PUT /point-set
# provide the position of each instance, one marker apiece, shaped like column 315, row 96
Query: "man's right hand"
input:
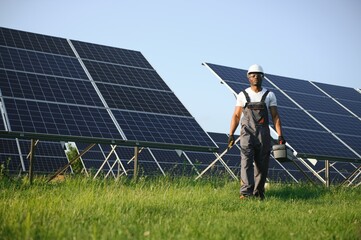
column 230, row 141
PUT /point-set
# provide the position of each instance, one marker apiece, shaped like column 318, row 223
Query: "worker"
column 251, row 112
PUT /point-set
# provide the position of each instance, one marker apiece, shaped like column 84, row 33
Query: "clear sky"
column 317, row 40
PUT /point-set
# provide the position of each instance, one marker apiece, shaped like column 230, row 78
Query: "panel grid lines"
column 33, row 41
column 42, row 63
column 110, row 54
column 125, row 75
column 47, row 88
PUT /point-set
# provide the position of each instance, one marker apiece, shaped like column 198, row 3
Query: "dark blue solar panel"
column 44, row 148
column 110, row 54
column 49, row 156
column 144, row 100
column 42, row 63
column 296, row 118
column 47, row 88
column 124, row 75
column 36, row 42
column 282, row 100
column 49, row 118
column 162, row 128
column 11, row 162
column 353, row 141
column 340, row 124
column 354, row 107
column 8, row 146
column 340, row 92
column 295, row 85
column 314, row 143
column 317, row 103
column 167, row 156
column 218, row 137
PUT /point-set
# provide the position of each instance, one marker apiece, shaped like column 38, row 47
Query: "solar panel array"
column 54, row 88
column 314, row 120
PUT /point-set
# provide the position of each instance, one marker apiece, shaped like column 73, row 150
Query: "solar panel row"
column 54, row 87
column 314, row 124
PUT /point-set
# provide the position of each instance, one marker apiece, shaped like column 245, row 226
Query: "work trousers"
column 255, row 155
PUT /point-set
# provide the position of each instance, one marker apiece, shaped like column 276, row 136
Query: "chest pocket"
column 256, row 111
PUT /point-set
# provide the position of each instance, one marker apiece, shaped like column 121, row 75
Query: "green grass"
column 174, row 208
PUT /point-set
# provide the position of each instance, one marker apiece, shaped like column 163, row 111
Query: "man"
column 253, row 104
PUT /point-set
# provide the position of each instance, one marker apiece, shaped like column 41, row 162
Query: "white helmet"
column 255, row 68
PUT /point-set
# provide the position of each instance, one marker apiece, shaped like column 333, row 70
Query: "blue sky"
column 318, row 40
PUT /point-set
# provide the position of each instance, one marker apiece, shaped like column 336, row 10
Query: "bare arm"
column 276, row 120
column 235, row 119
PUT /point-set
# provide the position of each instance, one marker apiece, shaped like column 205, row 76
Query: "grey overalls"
column 255, row 146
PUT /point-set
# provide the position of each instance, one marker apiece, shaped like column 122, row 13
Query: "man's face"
column 255, row 79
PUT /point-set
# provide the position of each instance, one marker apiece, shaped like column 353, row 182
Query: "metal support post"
column 136, row 151
column 327, row 173
column 31, row 163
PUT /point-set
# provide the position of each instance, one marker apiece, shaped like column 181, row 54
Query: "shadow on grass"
column 296, row 192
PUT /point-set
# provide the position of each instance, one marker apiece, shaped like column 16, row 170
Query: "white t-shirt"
column 256, row 97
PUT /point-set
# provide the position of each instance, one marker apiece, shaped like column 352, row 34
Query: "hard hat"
column 255, row 68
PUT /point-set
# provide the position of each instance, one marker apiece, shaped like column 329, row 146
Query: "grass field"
column 174, row 208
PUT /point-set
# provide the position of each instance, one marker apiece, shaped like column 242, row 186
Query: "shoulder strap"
column 246, row 95
column 264, row 96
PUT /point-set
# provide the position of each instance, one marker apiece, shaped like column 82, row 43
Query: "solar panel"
column 354, row 107
column 125, row 75
column 41, row 63
column 36, row 42
column 61, row 89
column 109, row 54
column 49, row 156
column 9, row 155
column 311, row 134
column 161, row 128
column 47, row 88
column 317, row 103
column 340, row 92
column 57, row 119
column 293, row 85
column 142, row 100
